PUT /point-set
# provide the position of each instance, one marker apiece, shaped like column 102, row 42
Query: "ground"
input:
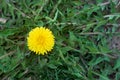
column 87, row 37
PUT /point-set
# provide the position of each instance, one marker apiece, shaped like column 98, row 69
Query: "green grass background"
column 81, row 29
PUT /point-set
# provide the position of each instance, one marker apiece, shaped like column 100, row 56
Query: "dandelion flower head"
column 40, row 40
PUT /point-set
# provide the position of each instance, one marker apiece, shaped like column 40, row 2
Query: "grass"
column 82, row 29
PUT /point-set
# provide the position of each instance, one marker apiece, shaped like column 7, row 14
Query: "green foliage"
column 81, row 29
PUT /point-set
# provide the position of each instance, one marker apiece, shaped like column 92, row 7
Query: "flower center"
column 41, row 40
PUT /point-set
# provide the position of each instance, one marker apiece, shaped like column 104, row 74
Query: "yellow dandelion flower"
column 40, row 40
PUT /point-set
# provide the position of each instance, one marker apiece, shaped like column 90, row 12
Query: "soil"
column 114, row 43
